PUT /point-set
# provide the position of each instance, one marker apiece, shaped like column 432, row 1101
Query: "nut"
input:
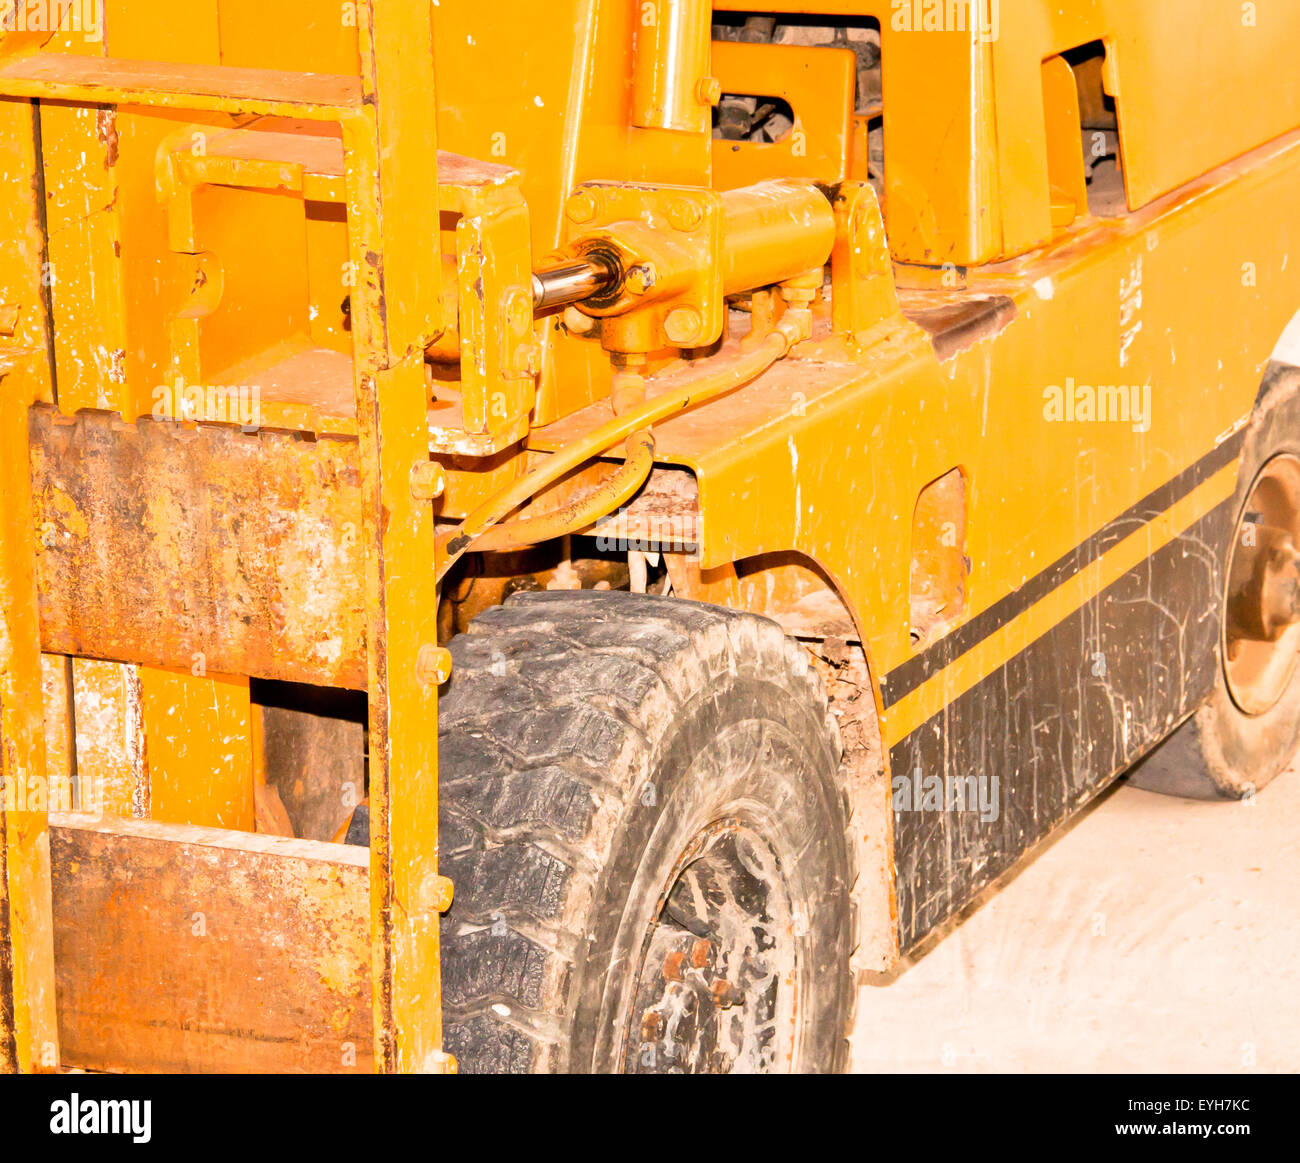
column 582, row 206
column 433, row 665
column 427, row 480
column 798, row 296
column 440, row 1062
column 726, row 995
column 652, row 1026
column 576, row 323
column 674, row 964
column 436, row 893
column 641, row 278
column 708, row 91
column 682, row 326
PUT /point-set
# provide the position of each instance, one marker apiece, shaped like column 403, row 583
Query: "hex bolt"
column 427, row 480
column 433, row 665
column 684, row 214
column 682, row 326
column 582, row 206
column 708, row 91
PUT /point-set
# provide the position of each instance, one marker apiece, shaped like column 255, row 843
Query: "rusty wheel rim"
column 1261, row 630
column 716, row 987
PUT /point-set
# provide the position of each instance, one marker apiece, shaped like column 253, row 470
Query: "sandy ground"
column 1155, row 935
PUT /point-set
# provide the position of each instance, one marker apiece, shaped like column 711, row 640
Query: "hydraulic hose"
column 605, row 498
column 679, row 392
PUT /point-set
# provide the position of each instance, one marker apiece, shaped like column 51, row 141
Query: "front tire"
column 641, row 814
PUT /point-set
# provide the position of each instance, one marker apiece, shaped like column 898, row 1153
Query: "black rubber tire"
column 1221, row 753
column 563, row 708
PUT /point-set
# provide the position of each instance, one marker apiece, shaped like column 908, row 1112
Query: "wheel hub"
column 715, row 987
column 1262, row 610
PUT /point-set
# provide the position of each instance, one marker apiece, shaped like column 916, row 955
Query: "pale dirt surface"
column 1158, row 935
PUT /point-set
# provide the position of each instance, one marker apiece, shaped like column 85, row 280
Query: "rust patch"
column 173, row 545
column 159, row 931
column 106, row 131
column 8, row 1036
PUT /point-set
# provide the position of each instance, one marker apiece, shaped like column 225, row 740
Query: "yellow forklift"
column 566, row 537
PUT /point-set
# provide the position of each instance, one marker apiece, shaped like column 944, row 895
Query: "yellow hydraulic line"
column 582, row 511
column 694, row 388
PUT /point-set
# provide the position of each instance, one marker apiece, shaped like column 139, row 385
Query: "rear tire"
column 641, row 814
column 1223, row 752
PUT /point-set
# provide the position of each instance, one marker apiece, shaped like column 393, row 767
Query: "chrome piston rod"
column 573, row 282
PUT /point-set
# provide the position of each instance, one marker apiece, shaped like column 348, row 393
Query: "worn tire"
column 563, row 709
column 1221, row 752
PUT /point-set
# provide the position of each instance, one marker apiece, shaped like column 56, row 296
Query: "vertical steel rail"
column 397, row 312
column 28, row 1025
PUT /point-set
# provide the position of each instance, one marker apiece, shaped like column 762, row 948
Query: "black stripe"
column 1053, row 726
column 907, row 676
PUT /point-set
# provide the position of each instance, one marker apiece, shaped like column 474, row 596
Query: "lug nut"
column 674, row 965
column 652, row 1026
column 726, row 995
column 702, row 953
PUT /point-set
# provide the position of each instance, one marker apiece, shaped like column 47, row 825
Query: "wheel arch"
column 803, row 596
